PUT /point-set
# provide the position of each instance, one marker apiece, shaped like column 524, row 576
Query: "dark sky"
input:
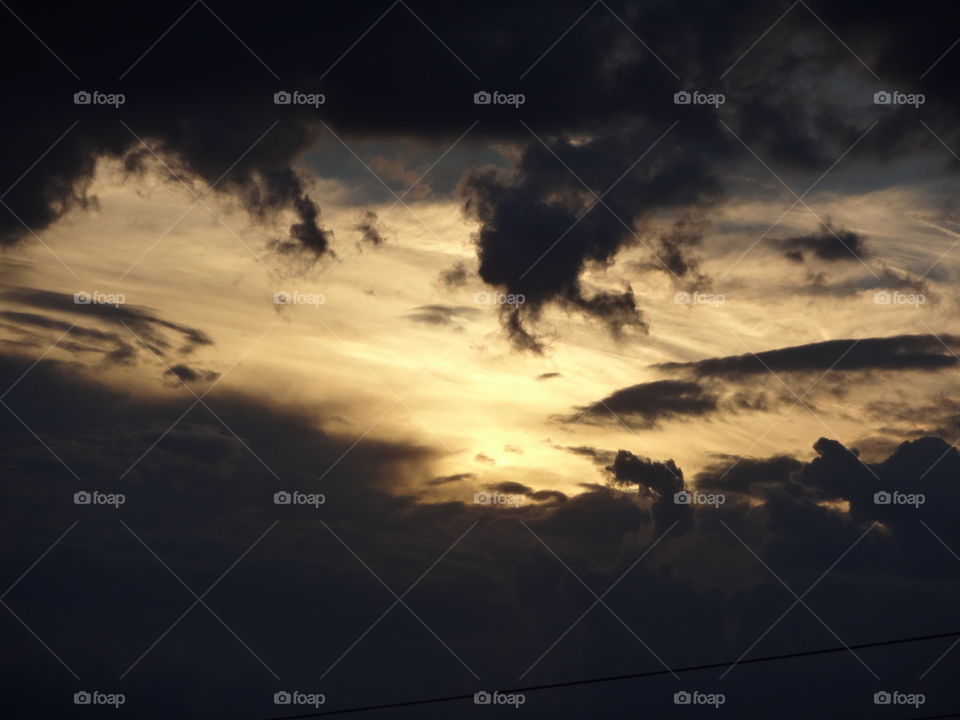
column 661, row 532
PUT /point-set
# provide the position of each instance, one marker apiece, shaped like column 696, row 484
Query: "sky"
column 361, row 355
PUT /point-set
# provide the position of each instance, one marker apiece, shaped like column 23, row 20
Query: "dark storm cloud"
column 830, row 244
column 564, row 228
column 597, row 102
column 925, row 353
column 661, row 479
column 299, row 598
column 648, row 403
column 748, row 475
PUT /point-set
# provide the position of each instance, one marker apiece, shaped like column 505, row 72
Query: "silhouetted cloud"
column 830, row 244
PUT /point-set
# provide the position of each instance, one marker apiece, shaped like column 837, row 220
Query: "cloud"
column 187, row 374
column 200, row 501
column 660, row 479
column 139, row 331
column 649, row 403
column 448, row 479
column 747, row 475
column 369, row 228
column 455, row 276
column 598, row 456
column 443, row 315
column 828, row 245
column 926, row 353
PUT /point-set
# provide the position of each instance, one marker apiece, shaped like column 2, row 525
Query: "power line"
column 649, row 673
